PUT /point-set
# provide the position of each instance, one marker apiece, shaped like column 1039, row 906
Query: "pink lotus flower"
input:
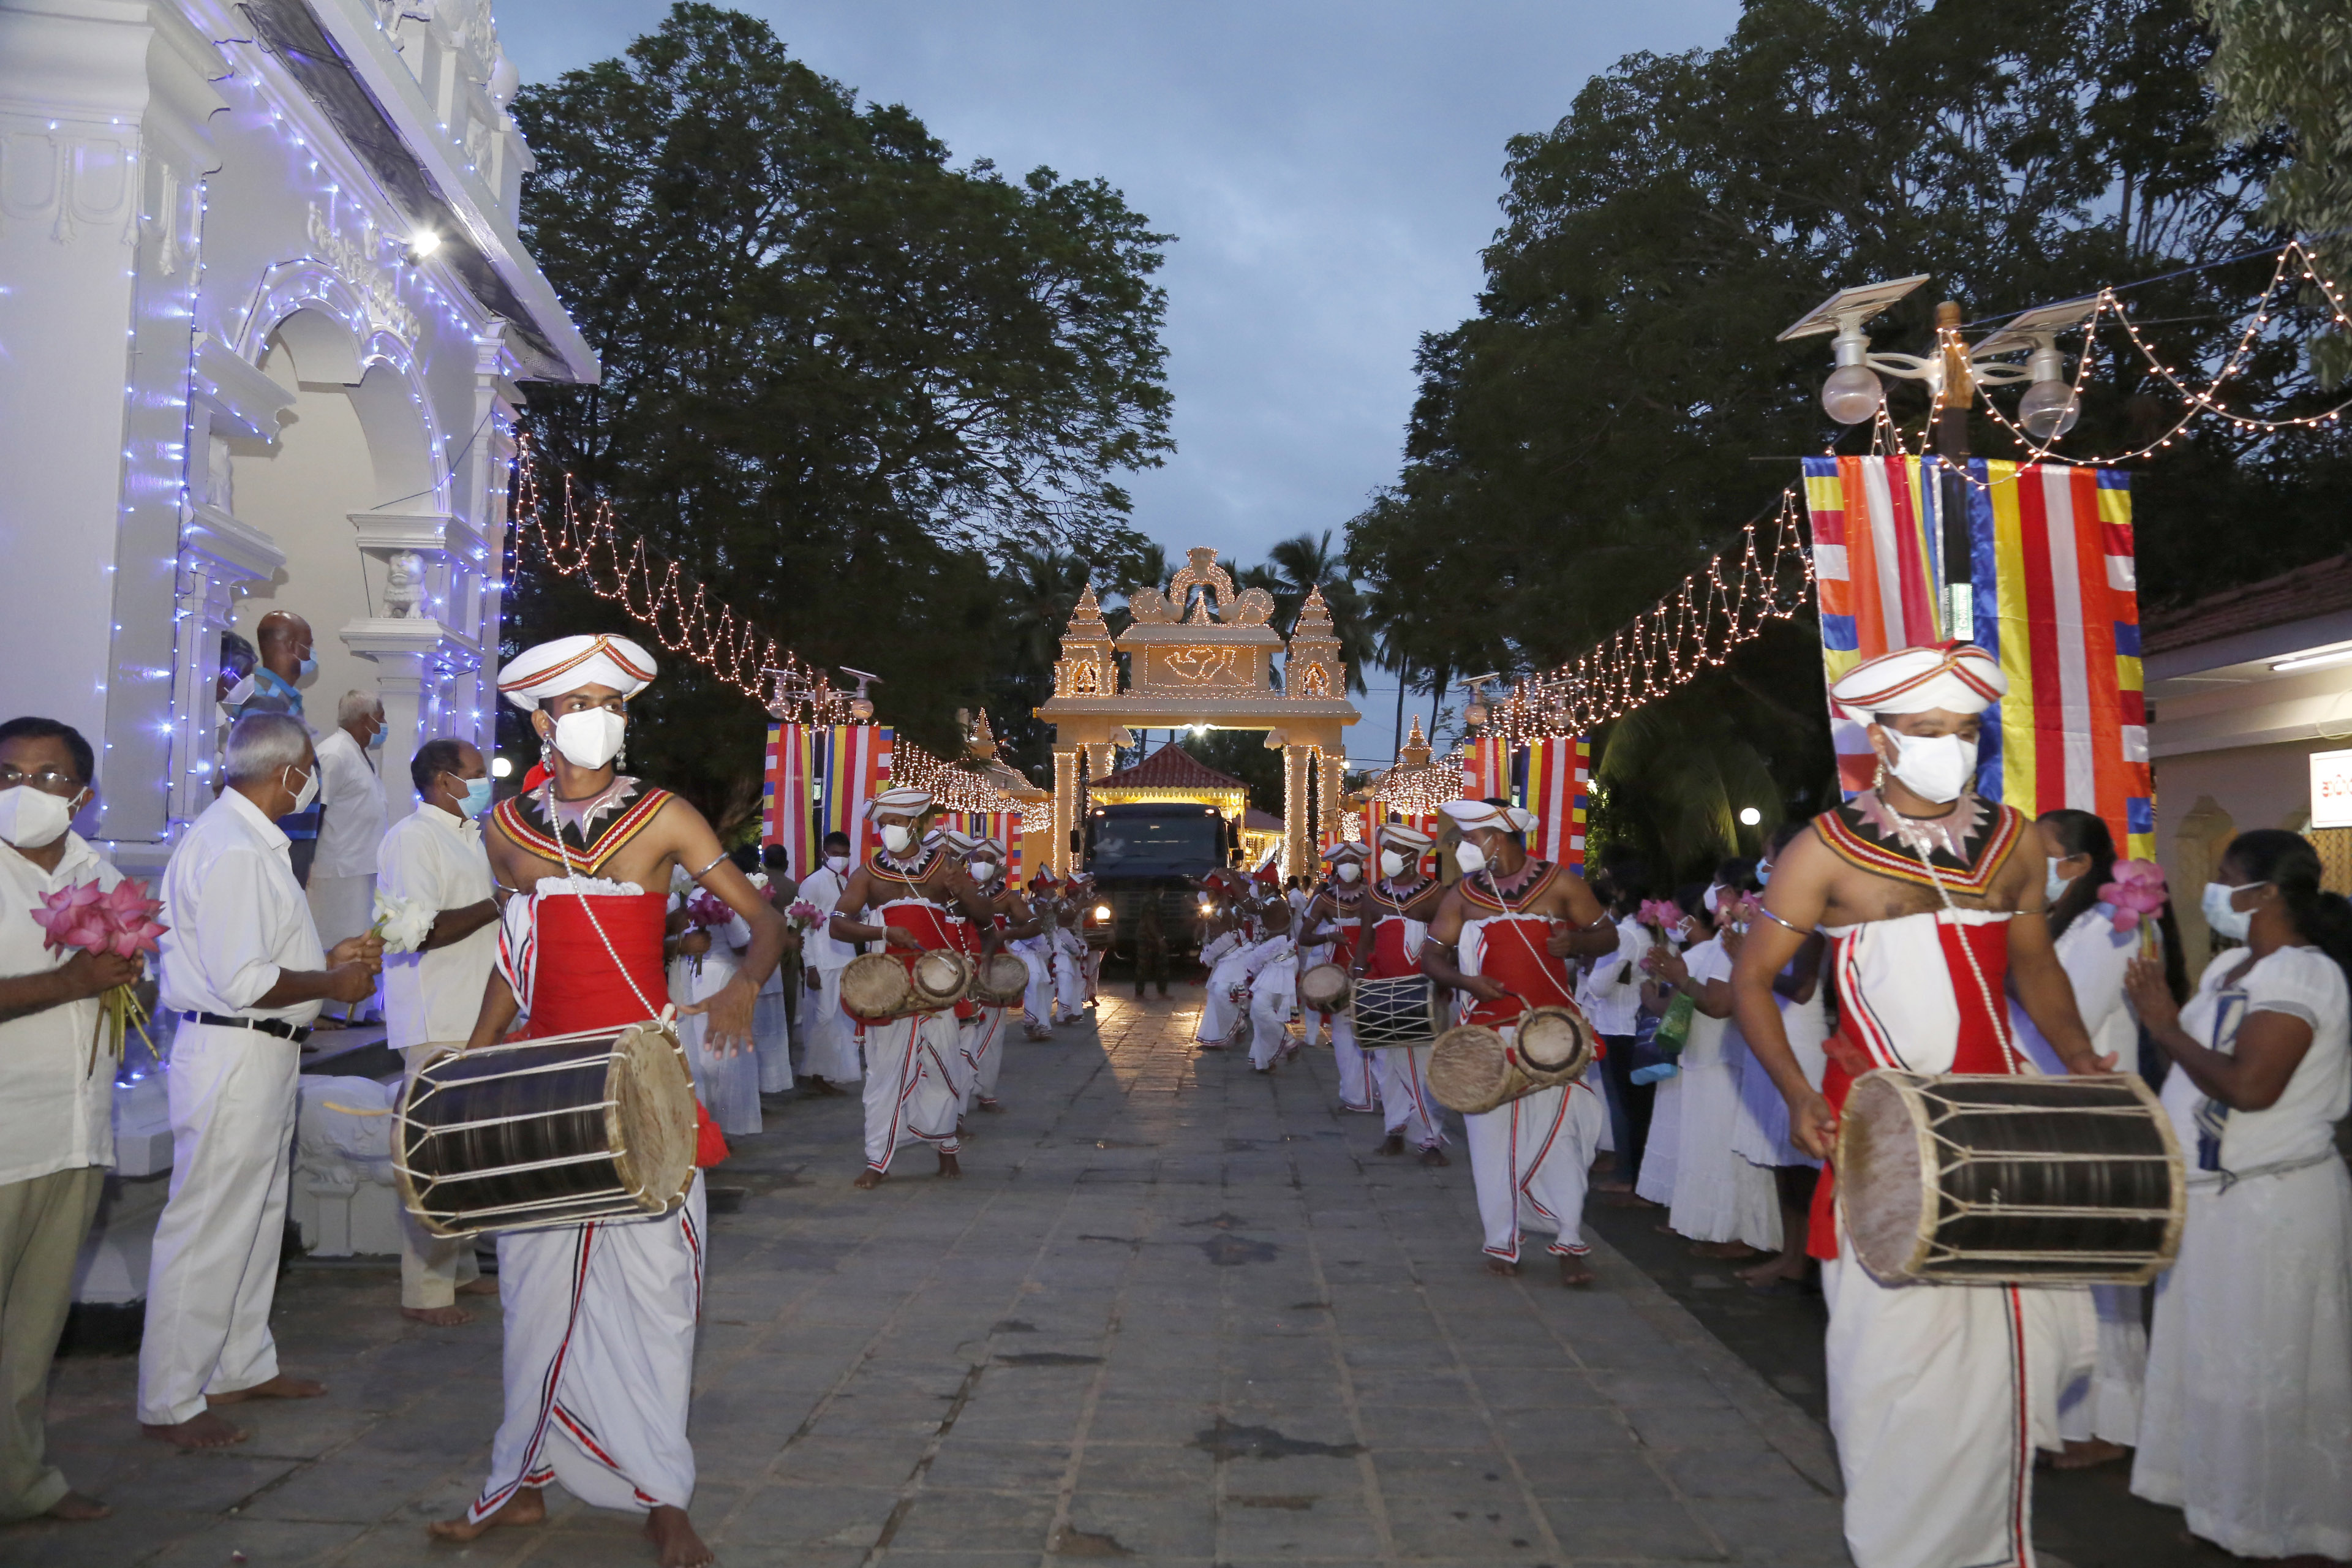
column 120, row 921
column 1659, row 914
column 2137, row 892
column 63, row 913
column 708, row 910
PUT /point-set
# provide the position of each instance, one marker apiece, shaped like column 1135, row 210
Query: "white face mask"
column 2225, row 917
column 2053, row 886
column 1392, row 865
column 983, row 871
column 34, row 819
column 307, row 792
column 1348, row 871
column 590, row 738
column 898, row 837
column 837, row 863
column 1933, row 767
column 1470, row 858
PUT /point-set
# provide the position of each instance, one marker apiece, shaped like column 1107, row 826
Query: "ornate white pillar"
column 420, row 662
column 1298, row 811
column 1065, row 806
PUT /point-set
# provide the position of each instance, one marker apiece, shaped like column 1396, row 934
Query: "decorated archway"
column 1203, row 653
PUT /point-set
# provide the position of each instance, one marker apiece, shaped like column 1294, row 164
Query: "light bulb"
column 1749, row 816
column 2048, row 410
column 1852, row 393
column 501, row 767
column 861, row 709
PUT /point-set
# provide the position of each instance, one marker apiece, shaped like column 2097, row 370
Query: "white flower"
column 403, row 923
column 758, row 880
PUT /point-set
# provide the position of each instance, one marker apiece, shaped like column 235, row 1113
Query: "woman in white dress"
column 2098, row 1416
column 1662, row 1148
column 1722, row 1205
column 2247, row 1422
column 1763, row 1137
column 706, row 960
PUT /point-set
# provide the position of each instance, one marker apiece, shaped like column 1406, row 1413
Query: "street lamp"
column 861, row 706
column 1474, row 711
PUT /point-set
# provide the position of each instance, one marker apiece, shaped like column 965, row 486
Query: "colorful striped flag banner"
column 1553, row 778
column 1485, row 769
column 785, row 806
column 853, row 766
column 2052, row 596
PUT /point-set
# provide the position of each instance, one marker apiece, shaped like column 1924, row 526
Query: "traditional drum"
column 877, row 988
column 1472, row 1070
column 1988, row 1179
column 1324, row 989
column 1000, row 980
column 1395, row 1012
column 598, row 1125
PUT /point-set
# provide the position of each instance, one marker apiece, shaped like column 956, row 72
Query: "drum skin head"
column 1554, row 1039
column 874, row 985
column 1324, row 989
column 1001, row 980
column 940, row 978
column 1884, row 1155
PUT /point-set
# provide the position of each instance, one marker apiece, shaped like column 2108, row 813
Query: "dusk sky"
column 1330, row 173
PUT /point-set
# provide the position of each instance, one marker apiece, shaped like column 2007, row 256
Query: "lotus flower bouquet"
column 2137, row 896
column 403, row 923
column 804, row 916
column 120, row 921
column 707, row 911
column 1660, row 915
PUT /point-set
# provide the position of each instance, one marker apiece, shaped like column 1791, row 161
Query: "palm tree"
column 1301, row 565
column 1041, row 588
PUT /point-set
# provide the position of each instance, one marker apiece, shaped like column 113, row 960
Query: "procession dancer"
column 832, row 1053
column 1270, row 971
column 1335, row 925
column 1035, row 952
column 1402, row 904
column 1069, row 952
column 599, row 1318
column 1225, row 955
column 1500, row 936
column 914, row 1086
column 1938, row 1395
column 983, row 1037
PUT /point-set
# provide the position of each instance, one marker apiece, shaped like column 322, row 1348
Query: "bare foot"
column 1627, row 1200
column 1575, row 1274
column 279, row 1387
column 991, row 1105
column 867, row 1180
column 1392, row 1144
column 437, row 1316
column 823, row 1087
column 2085, row 1456
column 948, row 1167
column 1502, row 1265
column 528, row 1506
column 202, row 1430
column 673, row 1536
column 486, row 1286
column 1725, row 1250
column 76, row 1508
column 1434, row 1157
column 1770, row 1272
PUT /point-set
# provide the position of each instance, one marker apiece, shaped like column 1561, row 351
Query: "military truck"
column 1155, row 854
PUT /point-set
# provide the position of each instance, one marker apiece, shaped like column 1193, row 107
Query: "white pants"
column 1069, row 979
column 215, row 1271
column 1939, row 1396
column 1529, row 1161
column 1355, row 1067
column 1412, row 1112
column 432, row 1267
column 599, row 1359
column 982, row 1042
column 832, row 1035
column 1273, row 998
column 912, row 1091
column 1038, row 1001
column 2106, row 1403
column 1220, row 1014
column 772, row 1039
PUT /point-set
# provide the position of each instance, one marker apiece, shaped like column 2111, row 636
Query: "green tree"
column 841, row 374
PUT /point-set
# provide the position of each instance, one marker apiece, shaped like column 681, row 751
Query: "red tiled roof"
column 1256, row 821
column 1169, row 767
column 2321, row 588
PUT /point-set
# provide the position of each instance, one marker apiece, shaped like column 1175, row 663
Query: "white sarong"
column 913, row 1093
column 1530, row 1161
column 1412, row 1111
column 981, row 1038
column 831, row 1050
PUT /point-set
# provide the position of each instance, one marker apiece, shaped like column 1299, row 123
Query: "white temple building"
column 263, row 315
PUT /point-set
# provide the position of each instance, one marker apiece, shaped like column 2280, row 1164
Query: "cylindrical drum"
column 1394, row 1012
column 1000, row 980
column 1555, row 1040
column 875, row 986
column 940, row 978
column 1990, row 1179
column 598, row 1125
column 1472, row 1070
column 1324, row 989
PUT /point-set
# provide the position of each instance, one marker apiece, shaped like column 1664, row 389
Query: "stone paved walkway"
column 1175, row 1313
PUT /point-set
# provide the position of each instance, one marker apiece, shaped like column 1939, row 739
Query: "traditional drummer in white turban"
column 1916, row 882
column 1400, row 905
column 599, row 1318
column 904, row 896
column 1330, row 931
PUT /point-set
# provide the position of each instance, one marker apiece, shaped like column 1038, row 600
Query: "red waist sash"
column 1389, row 961
column 1512, row 955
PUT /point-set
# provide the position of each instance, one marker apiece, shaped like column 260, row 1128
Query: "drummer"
column 914, row 1089
column 1498, row 936
column 1915, row 882
column 1402, row 904
column 601, row 1316
column 1334, row 923
column 983, row 1036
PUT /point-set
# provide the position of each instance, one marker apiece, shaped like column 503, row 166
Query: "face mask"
column 309, row 668
column 476, row 799
column 1934, row 767
column 1763, row 873
column 1470, row 858
column 836, row 864
column 239, row 694
column 307, row 792
column 2226, row 919
column 984, row 870
column 897, row 838
column 1392, row 865
column 1350, row 871
column 375, row 741
column 2053, row 886
column 590, row 738
column 32, row 818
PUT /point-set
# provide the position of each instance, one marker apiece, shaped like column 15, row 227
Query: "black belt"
column 297, row 1033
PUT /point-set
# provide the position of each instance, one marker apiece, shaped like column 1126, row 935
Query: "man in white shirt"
column 243, row 970
column 432, row 997
column 342, row 877
column 55, row 1138
column 832, row 1059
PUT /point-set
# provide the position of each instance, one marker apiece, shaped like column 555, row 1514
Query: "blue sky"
column 1330, row 170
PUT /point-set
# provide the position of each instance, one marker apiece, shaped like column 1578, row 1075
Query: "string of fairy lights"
column 952, row 786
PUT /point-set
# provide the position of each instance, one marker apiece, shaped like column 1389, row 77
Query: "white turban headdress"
column 1957, row 676
column 567, row 664
column 1470, row 815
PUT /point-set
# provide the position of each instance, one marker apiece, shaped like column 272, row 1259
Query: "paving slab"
column 1176, row 1313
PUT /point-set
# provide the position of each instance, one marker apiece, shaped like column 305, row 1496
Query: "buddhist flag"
column 2056, row 599
column 786, row 805
column 1875, row 568
column 1485, row 769
column 1552, row 777
column 854, row 767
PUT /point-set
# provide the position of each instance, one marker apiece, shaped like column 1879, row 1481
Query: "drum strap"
column 2225, row 1180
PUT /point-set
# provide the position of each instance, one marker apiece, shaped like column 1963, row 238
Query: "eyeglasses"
column 49, row 780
